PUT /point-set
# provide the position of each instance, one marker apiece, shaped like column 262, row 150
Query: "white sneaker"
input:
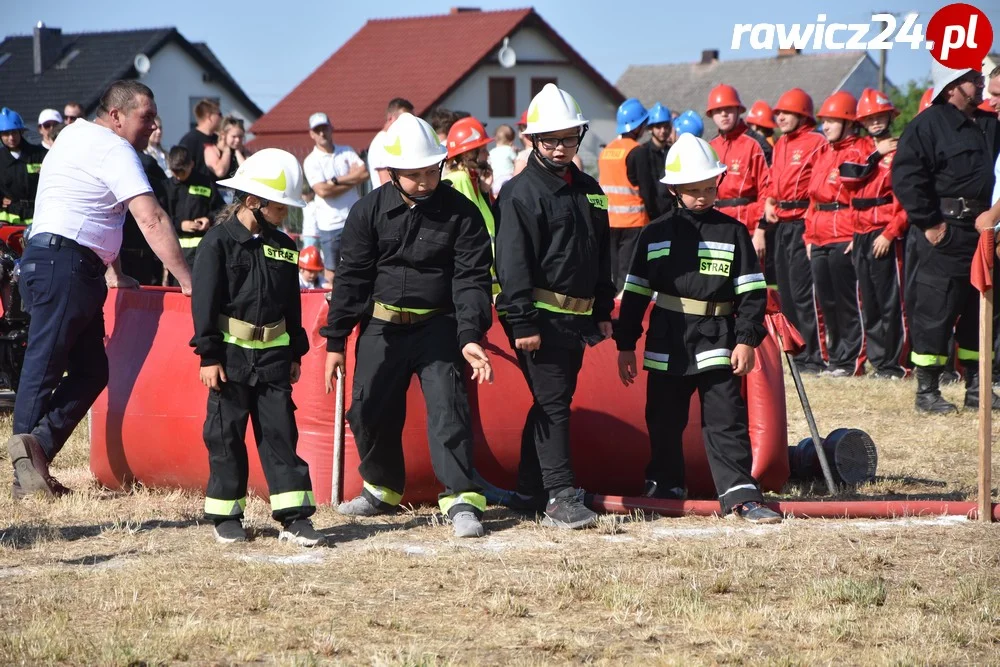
column 466, row 524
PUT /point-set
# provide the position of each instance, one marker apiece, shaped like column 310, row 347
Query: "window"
column 192, row 101
column 502, row 102
column 537, row 83
column 67, row 59
column 4, row 57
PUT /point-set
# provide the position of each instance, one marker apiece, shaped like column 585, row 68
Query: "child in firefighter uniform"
column 707, row 320
column 193, row 201
column 416, row 274
column 249, row 335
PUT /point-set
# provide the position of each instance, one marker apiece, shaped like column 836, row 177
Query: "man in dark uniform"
column 415, row 272
column 193, row 201
column 651, row 159
column 553, row 259
column 20, row 166
column 943, row 177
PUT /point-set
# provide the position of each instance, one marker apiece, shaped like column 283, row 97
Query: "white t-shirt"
column 86, row 183
column 996, row 182
column 309, row 229
column 320, row 166
column 502, row 161
column 376, row 158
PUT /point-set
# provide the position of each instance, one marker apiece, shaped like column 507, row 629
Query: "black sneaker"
column 653, row 490
column 566, row 510
column 526, row 504
column 230, row 531
column 302, row 533
column 755, row 512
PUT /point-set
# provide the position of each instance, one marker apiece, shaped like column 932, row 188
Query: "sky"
column 270, row 54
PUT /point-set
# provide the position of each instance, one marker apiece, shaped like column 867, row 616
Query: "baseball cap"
column 48, row 116
column 317, row 119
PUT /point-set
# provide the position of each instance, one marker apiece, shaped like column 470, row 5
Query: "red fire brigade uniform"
column 743, row 189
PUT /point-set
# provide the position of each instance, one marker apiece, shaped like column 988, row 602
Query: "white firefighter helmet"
column 691, row 160
column 942, row 76
column 553, row 109
column 271, row 174
column 411, row 143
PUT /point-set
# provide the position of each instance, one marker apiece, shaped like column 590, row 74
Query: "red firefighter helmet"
column 465, row 135
column 987, row 107
column 841, row 105
column 309, row 259
column 926, row 99
column 795, row 101
column 760, row 114
column 723, row 96
column 874, row 102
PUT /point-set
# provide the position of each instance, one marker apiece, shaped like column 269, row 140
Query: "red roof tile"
column 421, row 59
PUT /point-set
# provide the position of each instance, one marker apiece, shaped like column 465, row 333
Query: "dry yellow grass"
column 135, row 579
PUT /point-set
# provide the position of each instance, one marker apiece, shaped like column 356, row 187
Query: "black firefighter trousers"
column 795, row 286
column 881, row 304
column 724, row 428
column 387, row 357
column 269, row 407
column 938, row 292
column 837, row 294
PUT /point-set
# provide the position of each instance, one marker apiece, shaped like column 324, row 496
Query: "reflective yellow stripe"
column 557, row 309
column 283, row 501
column 190, row 241
column 967, row 355
column 3, row 216
column 416, row 311
column 225, row 507
column 383, row 494
column 281, row 254
column 749, row 287
column 34, row 168
column 199, row 191
column 477, row 500
column 715, row 254
column 14, row 219
column 928, row 359
column 281, row 341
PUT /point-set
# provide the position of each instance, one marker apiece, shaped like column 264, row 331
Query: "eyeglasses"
column 550, row 143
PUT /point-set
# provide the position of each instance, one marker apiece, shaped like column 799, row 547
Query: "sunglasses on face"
column 550, row 143
column 70, row 119
column 49, row 125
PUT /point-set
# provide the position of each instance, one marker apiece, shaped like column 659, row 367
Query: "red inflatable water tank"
column 147, row 426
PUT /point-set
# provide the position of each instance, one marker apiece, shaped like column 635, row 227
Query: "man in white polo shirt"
column 376, row 153
column 334, row 173
column 87, row 181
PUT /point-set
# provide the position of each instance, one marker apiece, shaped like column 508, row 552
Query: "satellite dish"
column 506, row 55
column 141, row 64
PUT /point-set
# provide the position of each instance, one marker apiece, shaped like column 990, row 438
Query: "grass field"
column 135, row 579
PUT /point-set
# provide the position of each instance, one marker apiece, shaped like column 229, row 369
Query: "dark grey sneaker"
column 755, row 512
column 230, row 531
column 566, row 510
column 360, row 506
column 653, row 490
column 466, row 524
column 302, row 533
column 526, row 504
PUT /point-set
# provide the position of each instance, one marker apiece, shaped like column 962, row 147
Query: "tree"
column 907, row 101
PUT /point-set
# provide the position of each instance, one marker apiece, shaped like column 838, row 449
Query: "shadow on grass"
column 24, row 537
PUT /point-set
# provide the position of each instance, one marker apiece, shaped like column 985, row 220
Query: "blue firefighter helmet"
column 10, row 120
column 689, row 122
column 659, row 114
column 631, row 115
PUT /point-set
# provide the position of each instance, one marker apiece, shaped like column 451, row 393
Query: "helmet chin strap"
column 549, row 163
column 258, row 215
column 416, row 198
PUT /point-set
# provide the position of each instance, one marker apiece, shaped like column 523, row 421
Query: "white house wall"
column 473, row 94
column 175, row 77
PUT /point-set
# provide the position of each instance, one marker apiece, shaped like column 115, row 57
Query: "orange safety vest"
column 625, row 206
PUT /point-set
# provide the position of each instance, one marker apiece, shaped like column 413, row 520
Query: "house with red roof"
column 450, row 60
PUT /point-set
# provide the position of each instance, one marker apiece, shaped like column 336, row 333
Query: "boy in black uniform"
column 707, row 321
column 20, row 165
column 553, row 259
column 416, row 274
column 249, row 335
column 193, row 201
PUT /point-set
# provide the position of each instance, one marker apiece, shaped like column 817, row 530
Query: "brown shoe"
column 31, row 467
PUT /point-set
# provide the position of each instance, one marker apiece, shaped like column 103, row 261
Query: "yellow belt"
column 679, row 304
column 247, row 331
column 571, row 304
column 381, row 312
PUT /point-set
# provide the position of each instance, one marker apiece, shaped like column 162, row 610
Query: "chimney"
column 464, row 10
column 788, row 53
column 48, row 46
column 709, row 56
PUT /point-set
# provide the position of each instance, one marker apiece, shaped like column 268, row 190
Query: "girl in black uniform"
column 249, row 335
column 709, row 315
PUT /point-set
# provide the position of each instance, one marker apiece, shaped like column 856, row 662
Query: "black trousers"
column 770, row 252
column 387, row 358
column 837, row 293
column 269, row 408
column 551, row 373
column 881, row 304
column 723, row 426
column 63, row 290
column 795, row 287
column 142, row 265
column 939, row 293
column 623, row 240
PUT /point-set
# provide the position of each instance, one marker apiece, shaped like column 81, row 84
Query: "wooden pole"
column 337, row 487
column 985, row 503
